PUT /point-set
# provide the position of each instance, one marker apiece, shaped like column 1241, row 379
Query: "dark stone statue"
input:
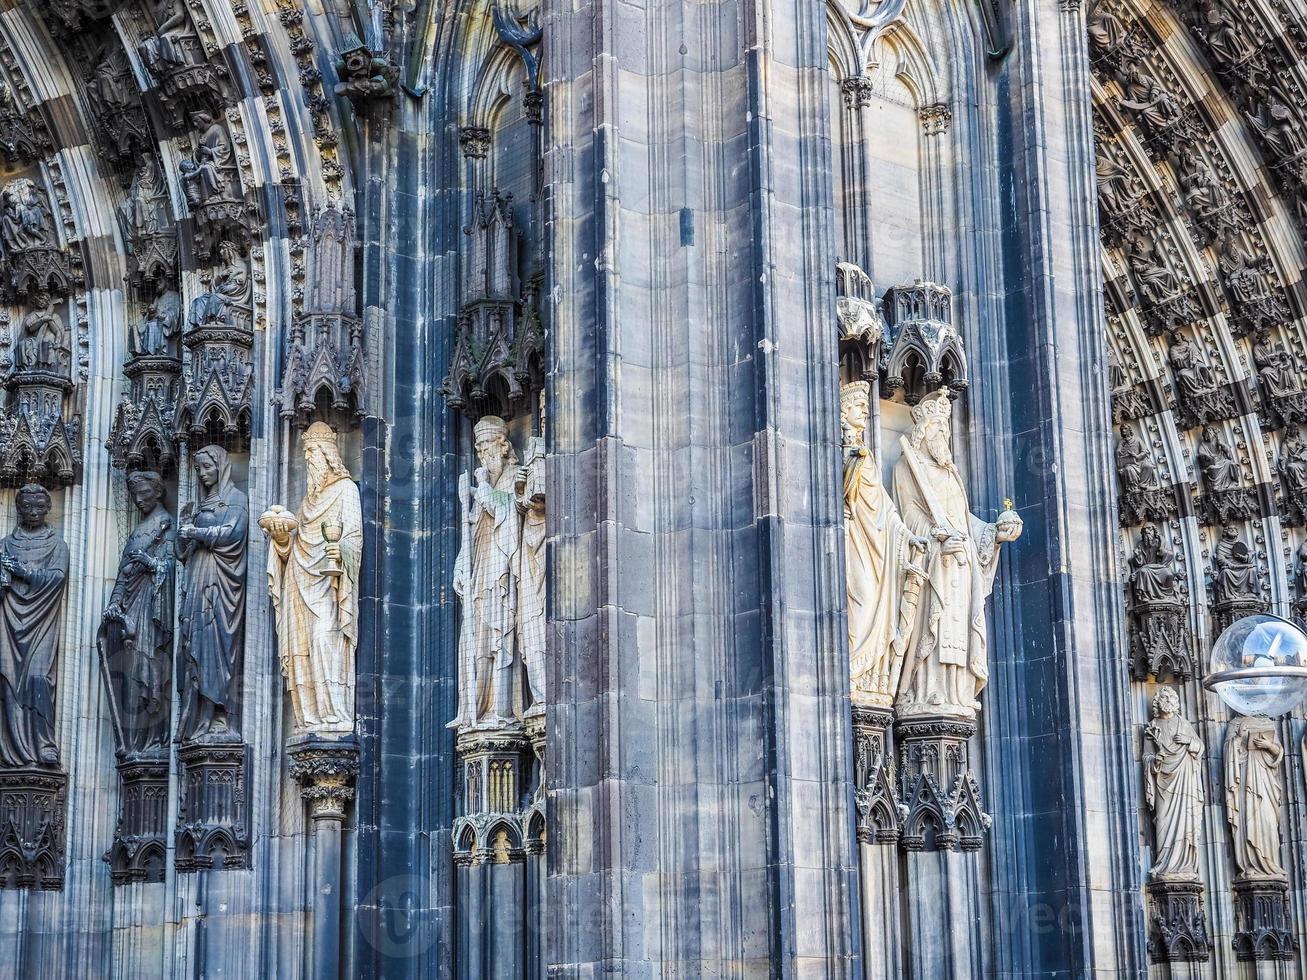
column 1152, row 570
column 1234, row 575
column 1217, row 463
column 33, row 572
column 135, row 638
column 212, row 542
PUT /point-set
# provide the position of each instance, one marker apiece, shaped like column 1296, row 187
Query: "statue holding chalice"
column 313, row 578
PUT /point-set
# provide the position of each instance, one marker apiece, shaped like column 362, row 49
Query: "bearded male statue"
column 313, row 578
column 946, row 664
column 485, row 580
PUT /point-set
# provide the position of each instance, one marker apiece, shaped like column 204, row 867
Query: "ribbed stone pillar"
column 699, row 779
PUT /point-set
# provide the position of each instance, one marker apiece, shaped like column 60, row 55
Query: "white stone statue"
column 1173, row 789
column 531, row 575
column 1253, row 757
column 313, row 578
column 884, row 583
column 485, row 579
column 947, row 664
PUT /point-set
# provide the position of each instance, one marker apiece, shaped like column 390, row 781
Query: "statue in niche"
column 168, row 47
column 1293, row 464
column 1104, row 28
column 1203, row 191
column 484, row 581
column 530, row 572
column 207, row 176
column 158, row 329
column 1253, row 756
column 135, row 637
column 1194, row 377
column 313, row 578
column 33, row 573
column 1113, row 180
column 884, row 582
column 1173, row 789
column 1217, row 463
column 1279, row 126
column 211, row 541
column 1134, row 463
column 947, row 664
column 43, row 342
column 25, row 221
column 1152, row 570
column 1156, row 282
column 1248, row 276
column 1226, row 39
column 1146, row 97
column 1274, row 366
column 144, row 212
column 230, row 299
column 1234, row 576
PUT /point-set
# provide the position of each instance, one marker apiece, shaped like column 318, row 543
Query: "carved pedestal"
column 213, row 819
column 1229, row 506
column 1263, row 928
column 1137, row 506
column 494, row 772
column 326, row 770
column 143, row 434
column 33, row 803
column 1178, row 921
column 939, row 789
column 38, row 444
column 1202, row 407
column 1180, row 309
column 1159, row 641
column 1231, row 611
column 876, row 793
column 139, row 850
column 1285, row 409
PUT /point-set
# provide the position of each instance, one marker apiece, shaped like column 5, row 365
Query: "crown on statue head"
column 319, row 433
column 490, row 425
column 935, row 406
column 853, row 391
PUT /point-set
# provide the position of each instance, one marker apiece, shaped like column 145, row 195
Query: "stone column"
column 326, row 770
column 699, row 779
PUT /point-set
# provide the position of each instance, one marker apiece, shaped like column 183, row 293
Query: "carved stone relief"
column 176, row 59
column 148, row 230
column 1143, row 496
column 1224, row 498
column 1236, row 581
column 34, row 262
column 313, row 579
column 1159, row 633
column 1201, row 395
column 923, row 351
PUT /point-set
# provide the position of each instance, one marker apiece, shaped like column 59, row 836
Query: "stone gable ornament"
column 485, row 580
column 881, row 553
column 313, row 579
column 947, row 662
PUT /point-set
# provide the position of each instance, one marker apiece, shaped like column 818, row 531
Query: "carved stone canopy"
column 925, row 351
column 72, row 16
column 38, row 444
column 860, row 321
column 23, row 136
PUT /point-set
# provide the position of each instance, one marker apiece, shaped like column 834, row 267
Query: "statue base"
column 1179, row 922
column 326, row 769
column 1225, row 614
column 938, row 787
column 880, row 814
column 140, row 846
column 33, row 803
column 496, row 766
column 213, row 820
column 1159, row 641
column 1263, row 927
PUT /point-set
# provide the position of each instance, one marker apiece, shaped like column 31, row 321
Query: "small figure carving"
column 229, row 300
column 33, row 573
column 313, row 579
column 135, row 637
column 364, row 75
column 169, row 47
column 211, row 541
column 1217, row 463
column 1173, row 789
column 484, row 581
column 43, row 343
column 1253, row 757
column 1279, row 126
column 1152, row 570
column 884, row 583
column 1156, row 282
column 1274, row 366
column 1115, row 193
column 1134, row 463
column 25, row 221
column 1194, row 377
column 155, row 334
column 1146, row 97
column 1234, row 575
column 1293, row 464
column 947, row 664
column 207, row 176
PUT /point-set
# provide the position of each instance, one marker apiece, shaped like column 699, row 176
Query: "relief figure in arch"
column 884, row 584
column 1253, row 757
column 1173, row 789
column 135, row 636
column 33, row 575
column 484, row 579
column 947, row 663
column 313, row 579
column 212, row 542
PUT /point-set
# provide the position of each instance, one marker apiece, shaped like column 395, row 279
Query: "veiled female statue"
column 212, row 543
column 884, row 585
column 1193, row 375
column 1173, row 789
column 1220, row 471
column 135, row 637
column 1134, row 463
column 1253, row 757
column 33, row 575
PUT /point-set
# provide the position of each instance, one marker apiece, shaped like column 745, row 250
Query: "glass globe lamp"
column 1259, row 666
